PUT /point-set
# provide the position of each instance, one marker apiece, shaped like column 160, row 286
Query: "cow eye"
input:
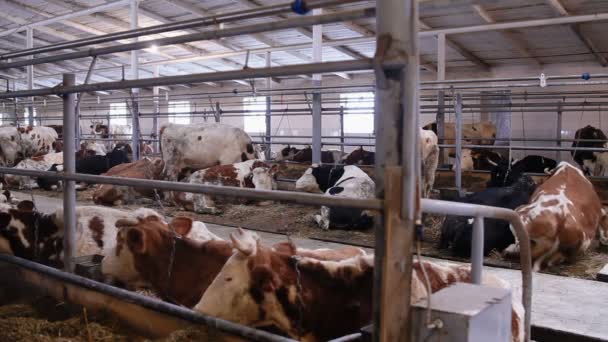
column 229, row 279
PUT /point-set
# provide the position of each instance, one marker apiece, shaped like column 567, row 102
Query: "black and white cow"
column 96, row 165
column 340, row 181
column 457, row 232
column 504, row 174
column 592, row 163
column 286, row 153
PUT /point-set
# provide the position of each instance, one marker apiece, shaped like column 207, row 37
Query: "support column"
column 156, row 93
column 317, row 57
column 135, row 75
column 397, row 153
column 268, row 152
column 458, row 137
column 440, row 119
column 69, row 167
column 29, row 37
column 342, row 129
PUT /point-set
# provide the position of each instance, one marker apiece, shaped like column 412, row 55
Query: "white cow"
column 38, row 140
column 9, row 145
column 202, row 145
column 430, row 159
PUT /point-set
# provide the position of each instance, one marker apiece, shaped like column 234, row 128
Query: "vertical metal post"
column 218, row 112
column 397, row 140
column 156, row 93
column 69, row 166
column 342, row 129
column 458, row 118
column 317, row 56
column 134, row 13
column 440, row 119
column 80, row 96
column 29, row 37
column 477, row 250
column 268, row 152
column 558, row 133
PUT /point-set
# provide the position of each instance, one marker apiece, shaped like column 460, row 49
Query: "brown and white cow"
column 145, row 168
column 142, row 257
column 202, row 145
column 95, row 231
column 40, row 163
column 253, row 174
column 311, row 299
column 37, row 140
column 562, row 218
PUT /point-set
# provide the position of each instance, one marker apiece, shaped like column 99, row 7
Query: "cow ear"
column 136, row 240
column 25, row 206
column 244, row 241
column 182, row 225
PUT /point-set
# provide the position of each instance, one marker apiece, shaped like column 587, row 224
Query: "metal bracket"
column 543, row 80
column 383, row 45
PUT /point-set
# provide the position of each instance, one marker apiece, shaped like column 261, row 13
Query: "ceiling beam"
column 559, row 8
column 508, row 35
column 460, row 49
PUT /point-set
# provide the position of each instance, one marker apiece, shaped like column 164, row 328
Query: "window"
column 179, row 112
column 255, row 109
column 26, row 116
column 118, row 113
column 359, row 112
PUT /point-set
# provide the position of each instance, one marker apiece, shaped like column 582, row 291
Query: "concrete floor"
column 570, row 305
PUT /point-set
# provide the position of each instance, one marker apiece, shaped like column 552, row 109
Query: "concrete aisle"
column 570, row 305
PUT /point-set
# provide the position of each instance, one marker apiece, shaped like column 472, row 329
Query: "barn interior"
column 187, row 94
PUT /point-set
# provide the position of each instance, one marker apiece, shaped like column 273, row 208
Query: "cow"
column 58, row 129
column 562, row 218
column 339, row 181
column 474, row 159
column 429, row 160
column 457, row 232
column 315, row 300
column 481, row 133
column 29, row 234
column 37, row 140
column 10, row 145
column 121, row 132
column 254, row 174
column 40, row 163
column 145, row 168
column 359, row 157
column 327, row 157
column 96, row 164
column 286, row 153
column 589, row 161
column 504, row 174
column 202, row 145
column 90, row 148
column 49, row 184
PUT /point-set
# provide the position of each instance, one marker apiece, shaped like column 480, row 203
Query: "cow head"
column 287, row 153
column 118, row 156
column 137, row 239
column 18, row 235
column 263, row 178
column 258, row 287
column 319, row 178
column 97, row 127
column 466, row 160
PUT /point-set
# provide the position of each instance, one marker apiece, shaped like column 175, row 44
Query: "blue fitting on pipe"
column 586, row 76
column 299, row 6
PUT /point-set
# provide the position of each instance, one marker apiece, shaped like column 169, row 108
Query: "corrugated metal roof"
column 549, row 44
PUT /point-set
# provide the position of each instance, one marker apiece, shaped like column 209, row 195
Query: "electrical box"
column 468, row 313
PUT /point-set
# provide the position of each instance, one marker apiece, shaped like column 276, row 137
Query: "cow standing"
column 339, row 181
column 199, row 146
column 562, row 218
column 429, row 160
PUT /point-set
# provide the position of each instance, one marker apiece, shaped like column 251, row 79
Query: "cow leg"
column 204, row 204
column 543, row 249
column 323, row 219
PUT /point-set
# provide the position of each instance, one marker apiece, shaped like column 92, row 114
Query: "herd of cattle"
column 307, row 294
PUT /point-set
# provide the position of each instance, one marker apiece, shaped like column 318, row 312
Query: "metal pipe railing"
column 146, row 302
column 312, row 68
column 294, row 22
column 479, row 212
column 274, row 195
